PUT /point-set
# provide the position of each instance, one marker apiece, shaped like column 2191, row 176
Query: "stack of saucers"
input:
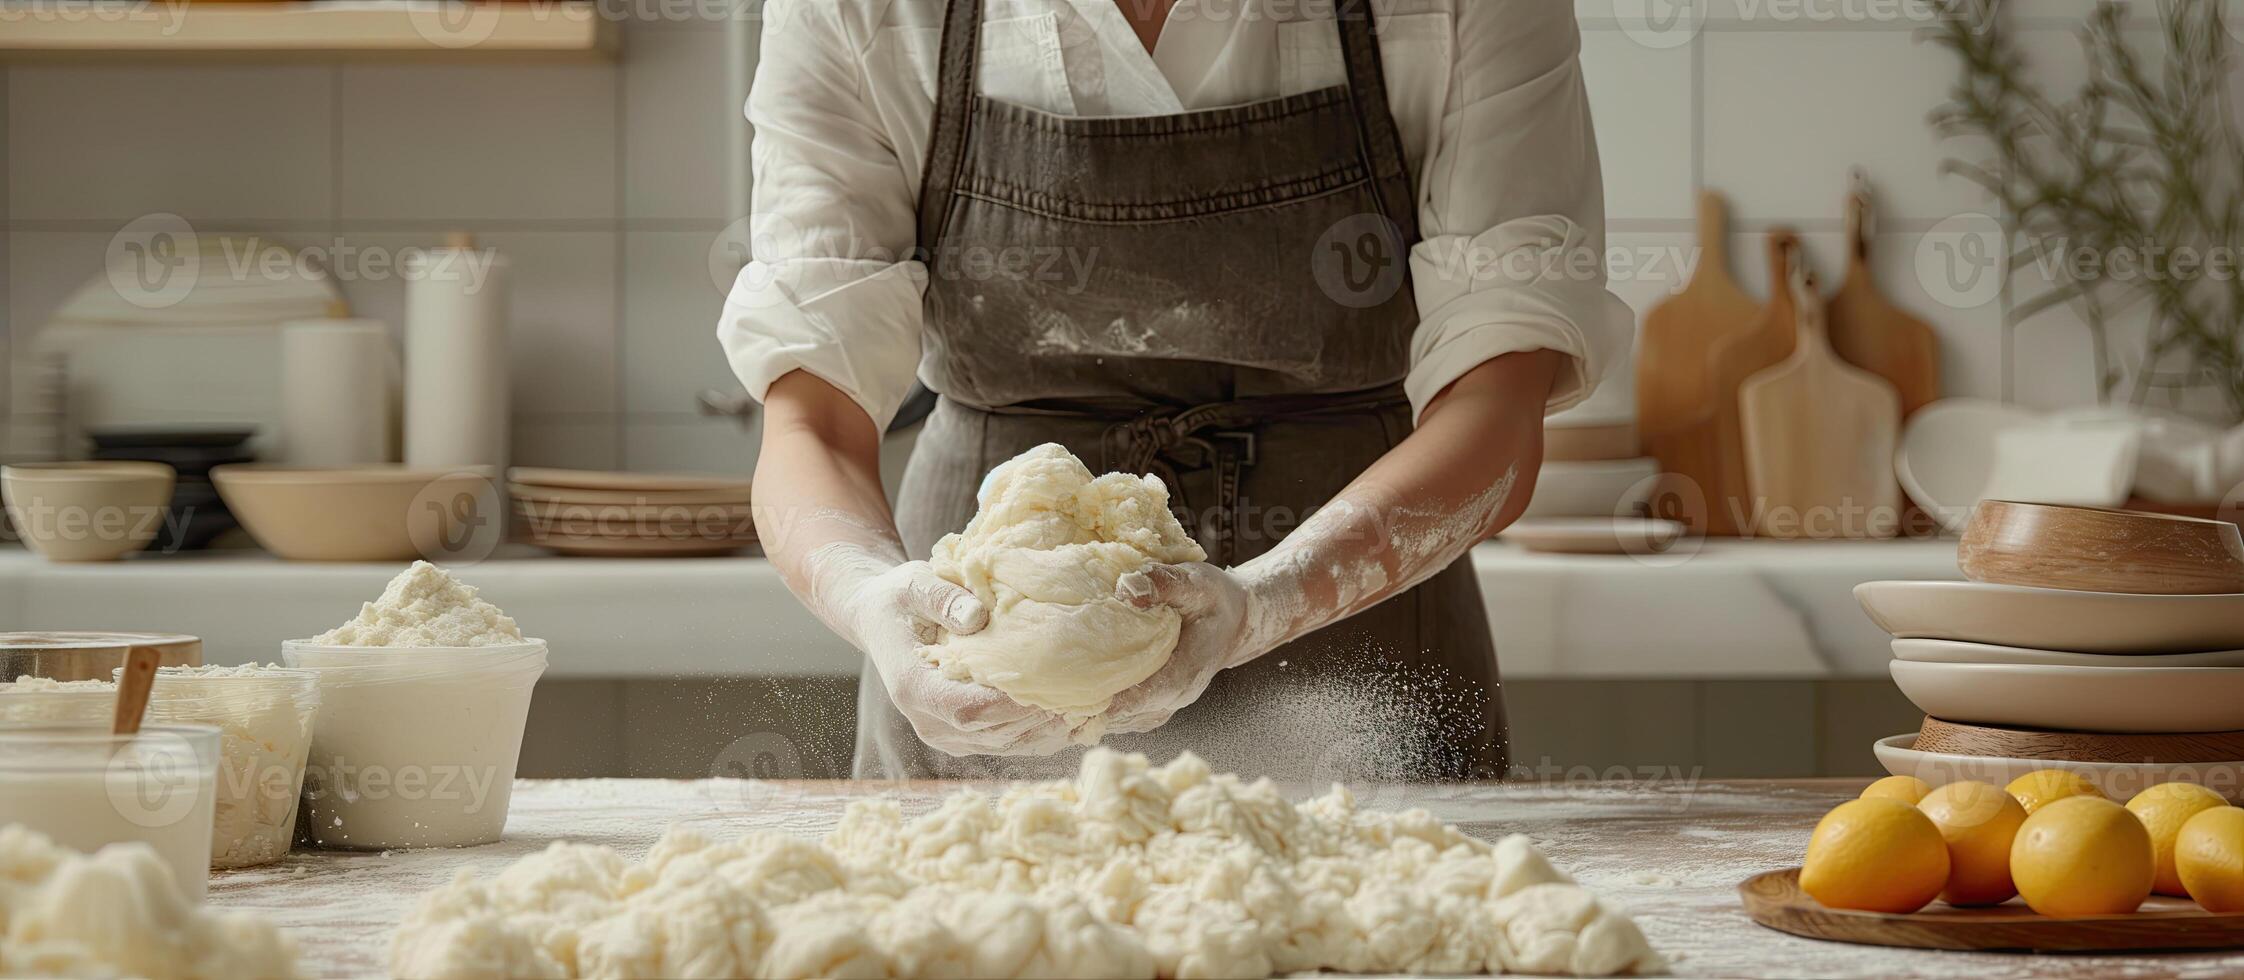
column 635, row 515
column 2109, row 641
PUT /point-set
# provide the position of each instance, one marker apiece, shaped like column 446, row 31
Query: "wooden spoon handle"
column 133, row 684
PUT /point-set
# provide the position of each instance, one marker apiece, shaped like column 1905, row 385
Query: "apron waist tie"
column 1218, row 437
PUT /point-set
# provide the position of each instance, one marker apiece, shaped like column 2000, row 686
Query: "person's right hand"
column 889, row 610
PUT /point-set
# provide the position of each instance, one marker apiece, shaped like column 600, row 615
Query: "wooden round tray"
column 1955, row 738
column 1774, row 899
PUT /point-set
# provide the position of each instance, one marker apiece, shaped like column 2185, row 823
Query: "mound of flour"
column 424, row 606
column 1043, row 555
column 1128, row 870
column 117, row 912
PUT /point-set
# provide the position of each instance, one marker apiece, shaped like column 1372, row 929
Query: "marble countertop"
column 1671, row 853
column 1712, row 610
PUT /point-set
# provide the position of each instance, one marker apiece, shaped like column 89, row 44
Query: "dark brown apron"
column 1222, row 298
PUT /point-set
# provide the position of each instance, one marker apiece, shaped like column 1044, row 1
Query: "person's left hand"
column 1218, row 611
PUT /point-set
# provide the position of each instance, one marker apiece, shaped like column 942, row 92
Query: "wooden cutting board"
column 1675, row 404
column 1774, row 899
column 1957, row 738
column 1873, row 334
column 1819, row 436
column 1766, row 341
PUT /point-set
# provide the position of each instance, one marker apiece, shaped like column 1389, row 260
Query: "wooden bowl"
column 2090, row 549
column 1957, row 738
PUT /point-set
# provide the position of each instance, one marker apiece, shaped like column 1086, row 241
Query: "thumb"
column 954, row 608
column 1175, row 586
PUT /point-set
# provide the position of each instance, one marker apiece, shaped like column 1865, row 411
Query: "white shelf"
column 393, row 29
column 1734, row 610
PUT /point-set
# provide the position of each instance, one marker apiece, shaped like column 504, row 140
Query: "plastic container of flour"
column 415, row 746
column 87, row 789
column 264, row 716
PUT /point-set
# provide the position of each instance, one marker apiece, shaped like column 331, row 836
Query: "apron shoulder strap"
column 957, row 79
column 1375, row 119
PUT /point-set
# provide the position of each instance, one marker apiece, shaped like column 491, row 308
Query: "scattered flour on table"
column 117, row 912
column 1128, row 870
column 1043, row 555
column 424, row 606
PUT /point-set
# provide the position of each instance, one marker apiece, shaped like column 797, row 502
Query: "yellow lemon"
column 2042, row 787
column 2163, row 809
column 1907, row 789
column 1979, row 822
column 2083, row 855
column 2209, row 854
column 1877, row 855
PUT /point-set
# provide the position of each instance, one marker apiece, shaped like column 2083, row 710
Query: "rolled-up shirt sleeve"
column 830, row 288
column 1512, row 209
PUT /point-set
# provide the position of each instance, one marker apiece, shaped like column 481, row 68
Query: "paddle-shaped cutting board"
column 1819, row 438
column 1873, row 334
column 1767, row 340
column 1675, row 403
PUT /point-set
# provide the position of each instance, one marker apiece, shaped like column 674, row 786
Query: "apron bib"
column 1221, row 298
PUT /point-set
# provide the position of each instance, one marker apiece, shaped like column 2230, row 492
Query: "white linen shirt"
column 1488, row 95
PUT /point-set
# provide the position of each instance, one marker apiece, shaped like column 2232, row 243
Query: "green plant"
column 2127, row 196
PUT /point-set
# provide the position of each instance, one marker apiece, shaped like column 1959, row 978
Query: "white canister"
column 337, row 379
column 456, row 377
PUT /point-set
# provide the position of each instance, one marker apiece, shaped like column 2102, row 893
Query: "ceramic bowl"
column 2054, row 619
column 376, row 513
column 2118, row 780
column 2077, row 699
column 97, row 511
column 2096, row 550
column 1607, row 488
column 1957, row 652
column 1595, row 535
column 1947, row 454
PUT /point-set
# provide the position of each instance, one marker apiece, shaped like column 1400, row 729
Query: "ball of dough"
column 1043, row 554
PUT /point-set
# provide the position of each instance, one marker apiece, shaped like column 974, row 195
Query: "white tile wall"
column 1771, row 102
column 606, row 181
column 594, row 178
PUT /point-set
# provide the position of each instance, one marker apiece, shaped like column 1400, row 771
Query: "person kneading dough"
column 1307, row 275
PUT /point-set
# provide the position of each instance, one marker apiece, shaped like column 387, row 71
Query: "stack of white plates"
column 2062, row 660
column 643, row 515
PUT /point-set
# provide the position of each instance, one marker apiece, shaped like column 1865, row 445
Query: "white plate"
column 1947, row 454
column 1602, row 488
column 1959, row 652
column 2079, row 699
column 2119, row 780
column 1595, row 535
column 2055, row 619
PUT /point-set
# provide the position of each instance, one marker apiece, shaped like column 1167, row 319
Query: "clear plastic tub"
column 265, row 715
column 87, row 789
column 414, row 747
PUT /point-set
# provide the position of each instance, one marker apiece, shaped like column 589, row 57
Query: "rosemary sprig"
column 2144, row 163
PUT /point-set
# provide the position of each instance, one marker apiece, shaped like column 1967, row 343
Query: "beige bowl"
column 97, row 511
column 374, row 513
column 2095, row 550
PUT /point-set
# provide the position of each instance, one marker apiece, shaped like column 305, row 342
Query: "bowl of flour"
column 424, row 695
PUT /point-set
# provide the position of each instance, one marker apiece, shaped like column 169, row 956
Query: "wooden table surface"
column 1671, row 851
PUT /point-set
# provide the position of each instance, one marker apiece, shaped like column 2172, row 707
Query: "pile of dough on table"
column 1128, row 870
column 118, row 913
